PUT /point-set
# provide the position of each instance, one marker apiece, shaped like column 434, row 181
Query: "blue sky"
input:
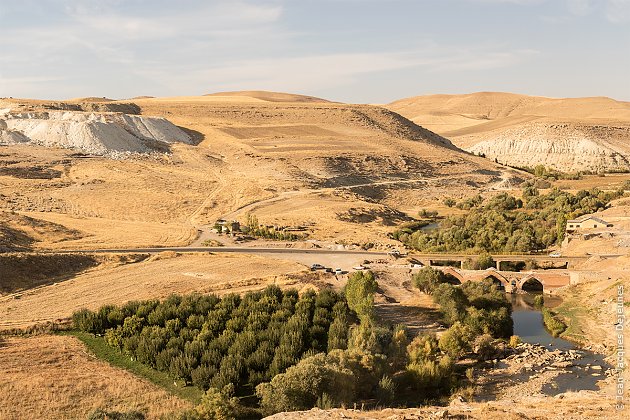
column 371, row 51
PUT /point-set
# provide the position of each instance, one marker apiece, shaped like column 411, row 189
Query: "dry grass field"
column 53, row 377
column 154, row 278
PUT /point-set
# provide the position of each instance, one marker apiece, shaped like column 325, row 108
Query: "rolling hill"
column 347, row 173
column 574, row 134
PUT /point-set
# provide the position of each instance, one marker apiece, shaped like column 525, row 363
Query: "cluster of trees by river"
column 505, row 224
column 276, row 350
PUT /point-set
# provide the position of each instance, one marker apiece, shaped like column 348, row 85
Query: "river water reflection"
column 529, row 326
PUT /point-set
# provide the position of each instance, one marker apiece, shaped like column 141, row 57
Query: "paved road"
column 240, row 250
column 279, row 250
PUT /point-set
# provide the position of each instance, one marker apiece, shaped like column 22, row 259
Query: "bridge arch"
column 531, row 283
column 496, row 277
column 454, row 275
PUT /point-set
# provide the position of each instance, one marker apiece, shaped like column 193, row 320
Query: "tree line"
column 282, row 351
column 504, row 223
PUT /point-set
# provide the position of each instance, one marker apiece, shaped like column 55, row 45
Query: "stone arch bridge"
column 512, row 281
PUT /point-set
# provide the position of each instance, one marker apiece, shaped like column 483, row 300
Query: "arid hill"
column 98, row 128
column 575, row 134
column 344, row 172
column 268, row 96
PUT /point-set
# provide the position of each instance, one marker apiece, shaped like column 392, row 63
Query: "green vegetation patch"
column 506, row 224
column 553, row 324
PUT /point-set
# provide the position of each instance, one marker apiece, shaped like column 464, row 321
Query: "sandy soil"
column 46, row 377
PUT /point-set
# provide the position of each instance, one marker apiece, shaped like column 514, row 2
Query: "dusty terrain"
column 576, row 406
column 346, row 172
column 55, row 377
column 577, row 134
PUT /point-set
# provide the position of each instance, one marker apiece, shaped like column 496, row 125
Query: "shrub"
column 483, row 347
column 428, row 278
column 452, row 302
column 386, row 391
column 456, row 340
column 359, row 293
column 539, row 301
column 554, row 325
column 430, row 377
column 423, row 347
column 300, row 387
column 218, row 405
column 515, row 340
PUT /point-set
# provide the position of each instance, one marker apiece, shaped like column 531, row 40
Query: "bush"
column 515, row 340
column 300, row 387
column 483, row 347
column 386, row 391
column 359, row 293
column 452, row 302
column 218, row 405
column 428, row 278
column 539, row 301
column 456, row 340
column 431, row 377
column 554, row 325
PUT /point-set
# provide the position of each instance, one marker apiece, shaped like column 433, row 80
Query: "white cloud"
column 618, row 11
column 317, row 72
column 580, row 7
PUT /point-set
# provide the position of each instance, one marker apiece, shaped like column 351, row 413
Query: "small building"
column 587, row 222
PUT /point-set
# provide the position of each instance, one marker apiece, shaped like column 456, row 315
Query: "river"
column 529, row 326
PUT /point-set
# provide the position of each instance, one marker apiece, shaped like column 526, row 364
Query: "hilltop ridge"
column 568, row 134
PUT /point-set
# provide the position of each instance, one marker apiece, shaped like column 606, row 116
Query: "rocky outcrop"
column 565, row 147
column 95, row 133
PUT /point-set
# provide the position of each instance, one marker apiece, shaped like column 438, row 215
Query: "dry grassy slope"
column 283, row 161
column 265, row 150
column 269, row 96
column 116, row 282
column 54, row 377
column 567, row 134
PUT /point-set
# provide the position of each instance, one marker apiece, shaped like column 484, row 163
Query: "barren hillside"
column 96, row 128
column 346, row 172
column 572, row 134
column 267, row 96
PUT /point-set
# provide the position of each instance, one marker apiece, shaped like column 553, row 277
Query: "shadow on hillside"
column 196, row 136
column 22, row 272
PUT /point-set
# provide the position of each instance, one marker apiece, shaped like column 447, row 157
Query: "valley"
column 87, row 226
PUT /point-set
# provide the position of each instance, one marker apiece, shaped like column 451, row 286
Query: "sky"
column 360, row 51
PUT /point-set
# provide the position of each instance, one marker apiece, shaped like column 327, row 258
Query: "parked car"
column 329, row 270
column 555, row 254
column 359, row 268
column 338, row 271
column 317, row 267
